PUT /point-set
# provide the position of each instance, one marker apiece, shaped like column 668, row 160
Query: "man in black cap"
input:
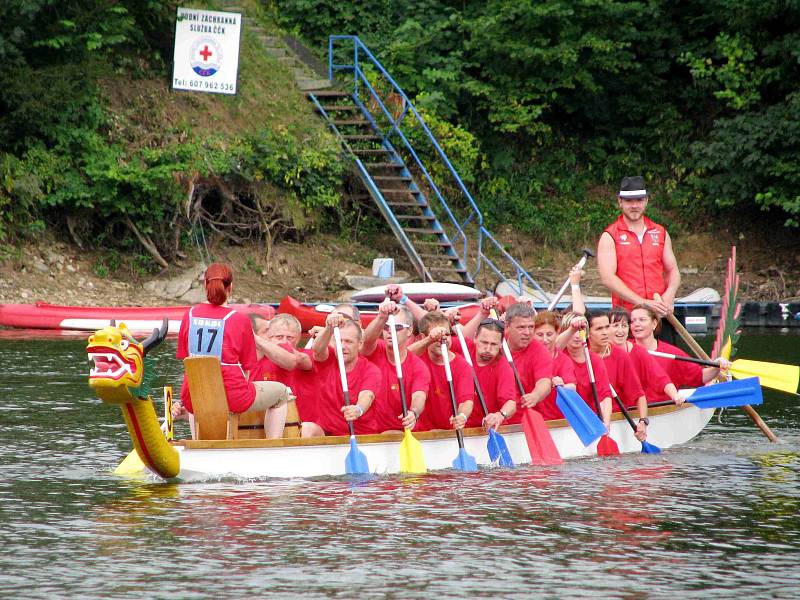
column 634, row 254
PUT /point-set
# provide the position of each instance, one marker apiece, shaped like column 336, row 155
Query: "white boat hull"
column 669, row 426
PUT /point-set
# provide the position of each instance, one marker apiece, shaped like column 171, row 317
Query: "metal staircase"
column 407, row 174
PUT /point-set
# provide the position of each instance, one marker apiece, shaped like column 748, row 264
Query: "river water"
column 717, row 517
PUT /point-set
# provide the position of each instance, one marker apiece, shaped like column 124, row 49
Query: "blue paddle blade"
column 648, row 448
column 729, row 393
column 355, row 463
column 582, row 418
column 498, row 449
column 464, row 462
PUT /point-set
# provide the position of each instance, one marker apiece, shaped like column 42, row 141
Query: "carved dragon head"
column 119, row 371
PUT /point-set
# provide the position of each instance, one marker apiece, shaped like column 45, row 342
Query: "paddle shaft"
column 564, row 287
column 449, row 375
column 699, row 361
column 337, row 338
column 591, row 373
column 622, row 407
column 468, row 358
column 692, row 343
column 398, row 367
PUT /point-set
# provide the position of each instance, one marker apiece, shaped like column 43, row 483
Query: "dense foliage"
column 700, row 96
column 121, row 175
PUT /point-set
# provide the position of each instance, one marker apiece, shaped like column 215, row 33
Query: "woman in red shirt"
column 546, row 324
column 644, row 325
column 214, row 329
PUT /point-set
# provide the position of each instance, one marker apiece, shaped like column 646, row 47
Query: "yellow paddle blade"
column 776, row 376
column 131, row 465
column 411, row 457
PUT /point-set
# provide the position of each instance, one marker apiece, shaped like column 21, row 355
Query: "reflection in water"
column 716, row 517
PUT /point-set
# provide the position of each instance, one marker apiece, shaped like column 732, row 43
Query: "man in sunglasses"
column 377, row 348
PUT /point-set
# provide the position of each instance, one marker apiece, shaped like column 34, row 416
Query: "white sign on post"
column 206, row 55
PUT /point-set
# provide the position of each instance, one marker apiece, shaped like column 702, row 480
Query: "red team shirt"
column 653, row 377
column 438, row 407
column 497, row 384
column 623, row 376
column 238, row 355
column 330, row 398
column 584, row 384
column 682, row 374
column 533, row 363
column 304, row 387
column 266, row 370
column 562, row 367
column 388, row 405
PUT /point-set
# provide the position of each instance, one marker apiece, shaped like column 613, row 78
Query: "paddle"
column 463, row 461
column 496, row 444
column 355, row 463
column 606, row 446
column 540, row 443
column 700, row 353
column 411, row 458
column 772, row 375
column 742, row 392
column 647, row 447
column 586, row 254
column 582, row 419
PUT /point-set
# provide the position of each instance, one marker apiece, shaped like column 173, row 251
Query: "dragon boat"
column 122, row 374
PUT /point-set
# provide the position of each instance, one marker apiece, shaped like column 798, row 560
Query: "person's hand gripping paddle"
column 647, row 447
column 355, row 463
column 463, row 461
column 411, row 458
column 496, row 444
column 606, row 446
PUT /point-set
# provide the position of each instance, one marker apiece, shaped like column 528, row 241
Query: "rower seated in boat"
column 214, row 329
column 363, row 382
column 546, row 325
column 435, row 327
column 645, row 322
column 655, row 381
column 571, row 326
column 483, row 336
column 533, row 361
column 622, row 374
column 377, row 348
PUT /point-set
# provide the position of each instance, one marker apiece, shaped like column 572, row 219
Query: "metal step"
column 358, row 122
column 446, row 270
column 332, row 94
column 392, row 177
column 372, row 151
column 423, row 231
column 365, row 138
column 417, row 217
column 393, row 203
column 397, row 191
column 437, row 243
column 339, row 107
column 386, row 165
column 440, row 256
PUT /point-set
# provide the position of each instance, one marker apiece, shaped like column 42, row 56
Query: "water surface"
column 717, row 517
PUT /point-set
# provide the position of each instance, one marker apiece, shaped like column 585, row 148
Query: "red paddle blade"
column 607, row 447
column 540, row 443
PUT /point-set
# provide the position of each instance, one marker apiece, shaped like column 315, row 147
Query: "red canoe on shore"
column 139, row 319
column 311, row 315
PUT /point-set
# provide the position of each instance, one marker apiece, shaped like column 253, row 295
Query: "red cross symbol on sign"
column 205, row 53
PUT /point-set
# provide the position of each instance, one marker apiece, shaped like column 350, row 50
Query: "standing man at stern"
column 634, row 254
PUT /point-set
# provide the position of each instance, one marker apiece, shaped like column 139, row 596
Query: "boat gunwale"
column 382, row 438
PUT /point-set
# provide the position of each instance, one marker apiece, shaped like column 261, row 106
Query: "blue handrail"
column 475, row 216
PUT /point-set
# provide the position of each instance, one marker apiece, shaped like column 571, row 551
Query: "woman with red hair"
column 214, row 329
